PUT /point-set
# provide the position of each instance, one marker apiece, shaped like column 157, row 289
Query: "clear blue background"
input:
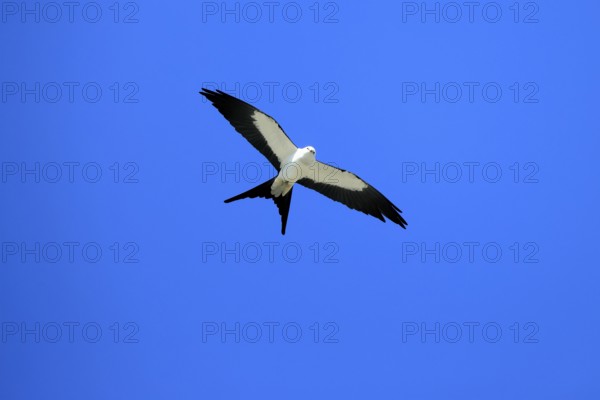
column 375, row 289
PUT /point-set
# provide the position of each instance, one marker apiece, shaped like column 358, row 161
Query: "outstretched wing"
column 261, row 130
column 347, row 188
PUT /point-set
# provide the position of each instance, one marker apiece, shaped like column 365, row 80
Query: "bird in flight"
column 297, row 165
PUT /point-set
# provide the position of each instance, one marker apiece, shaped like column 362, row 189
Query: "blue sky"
column 123, row 273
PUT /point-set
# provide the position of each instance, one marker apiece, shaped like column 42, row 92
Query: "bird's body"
column 297, row 165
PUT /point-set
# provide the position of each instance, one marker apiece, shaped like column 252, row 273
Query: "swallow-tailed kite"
column 297, row 165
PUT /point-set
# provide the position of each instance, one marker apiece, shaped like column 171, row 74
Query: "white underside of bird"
column 300, row 164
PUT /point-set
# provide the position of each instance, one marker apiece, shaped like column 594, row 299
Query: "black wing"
column 347, row 188
column 261, row 130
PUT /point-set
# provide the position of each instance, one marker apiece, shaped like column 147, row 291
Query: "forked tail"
column 264, row 190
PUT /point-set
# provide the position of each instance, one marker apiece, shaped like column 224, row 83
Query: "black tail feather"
column 264, row 190
column 283, row 204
